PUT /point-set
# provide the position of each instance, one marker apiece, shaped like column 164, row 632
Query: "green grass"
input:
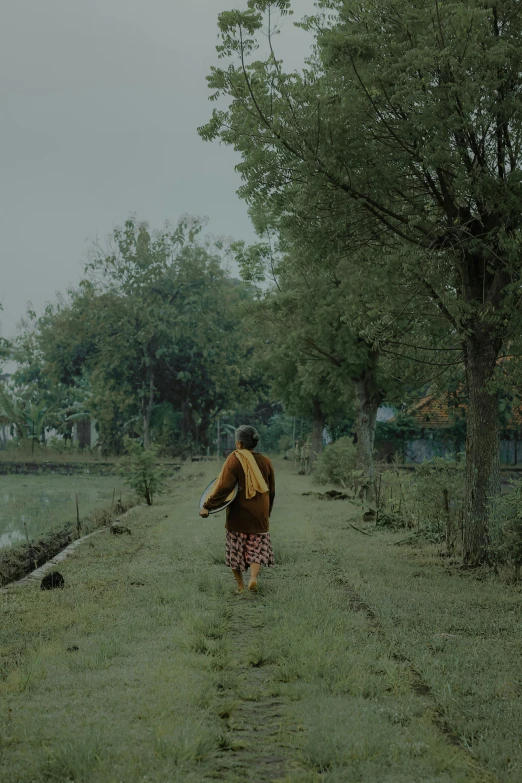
column 176, row 678
column 48, row 502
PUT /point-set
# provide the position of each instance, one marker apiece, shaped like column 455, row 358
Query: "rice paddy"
column 32, row 506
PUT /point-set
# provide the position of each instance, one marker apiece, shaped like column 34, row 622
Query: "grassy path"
column 358, row 661
column 254, row 717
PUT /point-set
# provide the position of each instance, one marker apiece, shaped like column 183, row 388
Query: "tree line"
column 151, row 344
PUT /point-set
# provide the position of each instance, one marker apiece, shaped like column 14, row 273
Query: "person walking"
column 248, row 541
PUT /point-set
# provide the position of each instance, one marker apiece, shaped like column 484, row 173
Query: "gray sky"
column 99, row 105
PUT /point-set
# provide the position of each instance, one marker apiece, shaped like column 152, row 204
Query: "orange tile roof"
column 433, row 412
column 516, row 416
column 436, row 412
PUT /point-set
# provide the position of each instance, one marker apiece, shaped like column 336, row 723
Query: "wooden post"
column 78, row 523
column 449, row 530
column 26, row 533
column 28, row 543
column 218, row 436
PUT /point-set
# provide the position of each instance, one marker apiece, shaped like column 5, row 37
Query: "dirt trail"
column 255, row 749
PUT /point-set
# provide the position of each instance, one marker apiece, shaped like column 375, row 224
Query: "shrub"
column 431, row 498
column 506, row 527
column 60, row 445
column 439, row 496
column 336, row 463
column 276, row 435
column 394, row 494
column 284, row 444
column 142, row 472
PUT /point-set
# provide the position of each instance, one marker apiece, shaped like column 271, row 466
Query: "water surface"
column 32, row 506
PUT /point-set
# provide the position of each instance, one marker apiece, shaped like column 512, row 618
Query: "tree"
column 5, row 347
column 350, row 314
column 316, row 354
column 34, row 387
column 406, row 121
column 155, row 330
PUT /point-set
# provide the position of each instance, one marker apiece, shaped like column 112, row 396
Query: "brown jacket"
column 244, row 516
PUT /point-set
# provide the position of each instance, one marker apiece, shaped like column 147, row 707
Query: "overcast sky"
column 100, row 101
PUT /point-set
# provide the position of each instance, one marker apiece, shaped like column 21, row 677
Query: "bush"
column 276, row 434
column 394, row 498
column 336, row 463
column 58, row 445
column 440, row 496
column 284, row 444
column 142, row 472
column 431, row 498
column 506, row 527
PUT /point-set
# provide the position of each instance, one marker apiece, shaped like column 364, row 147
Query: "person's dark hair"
column 248, row 436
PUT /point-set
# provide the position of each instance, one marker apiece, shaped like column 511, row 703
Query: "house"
column 84, row 433
column 439, row 428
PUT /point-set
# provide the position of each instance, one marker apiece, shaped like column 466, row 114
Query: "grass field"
column 45, row 503
column 358, row 661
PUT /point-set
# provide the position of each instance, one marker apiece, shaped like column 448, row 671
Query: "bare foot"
column 253, row 587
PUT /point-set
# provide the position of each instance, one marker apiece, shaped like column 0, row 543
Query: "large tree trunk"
column 318, row 425
column 482, row 445
column 148, row 405
column 368, row 398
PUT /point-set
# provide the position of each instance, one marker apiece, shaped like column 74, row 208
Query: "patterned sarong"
column 245, row 548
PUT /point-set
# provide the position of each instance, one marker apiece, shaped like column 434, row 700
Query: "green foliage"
column 152, row 343
column 401, row 426
column 304, row 349
column 506, row 528
column 284, row 443
column 59, row 445
column 336, row 464
column 29, row 418
column 276, row 434
column 142, row 471
column 400, row 100
column 166, row 425
column 393, row 503
column 431, row 498
column 399, row 144
column 274, row 426
column 337, row 340
column 439, row 494
column 5, row 349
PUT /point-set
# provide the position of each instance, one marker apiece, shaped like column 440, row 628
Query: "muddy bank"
column 21, row 560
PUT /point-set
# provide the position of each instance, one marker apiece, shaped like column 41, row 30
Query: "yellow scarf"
column 254, row 478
